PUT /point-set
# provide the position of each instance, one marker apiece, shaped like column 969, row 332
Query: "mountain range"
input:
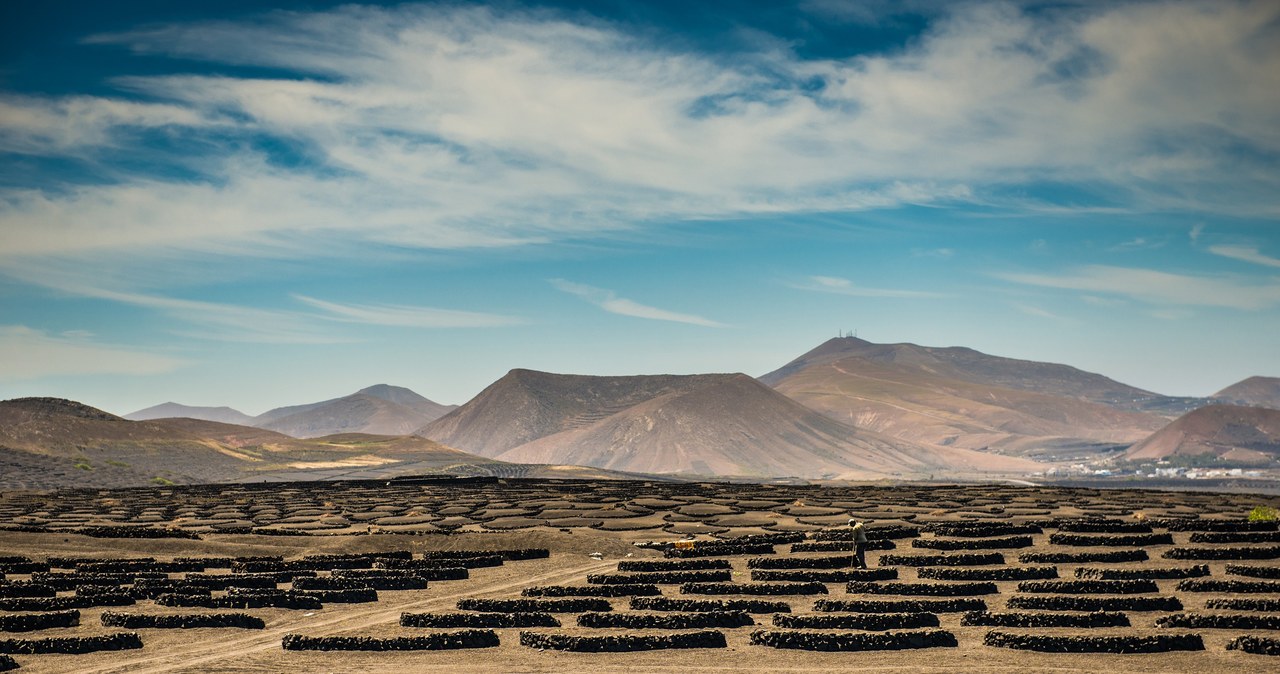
column 380, row 410
column 715, row 424
column 848, row 409
column 50, row 443
column 958, row 397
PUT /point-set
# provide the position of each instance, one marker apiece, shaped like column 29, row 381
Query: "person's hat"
column 852, row 522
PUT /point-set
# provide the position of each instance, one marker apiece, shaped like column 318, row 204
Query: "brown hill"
column 959, row 397
column 1252, row 392
column 717, row 424
column 1235, row 433
column 380, row 410
column 50, row 443
column 224, row 415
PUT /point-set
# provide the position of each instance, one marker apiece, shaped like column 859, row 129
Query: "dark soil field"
column 963, row 577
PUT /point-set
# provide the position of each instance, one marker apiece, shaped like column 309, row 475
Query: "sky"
column 258, row 204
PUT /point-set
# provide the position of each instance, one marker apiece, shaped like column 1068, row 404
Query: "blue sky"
column 255, row 205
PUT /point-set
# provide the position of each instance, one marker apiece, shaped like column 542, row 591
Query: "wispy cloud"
column 843, row 286
column 397, row 315
column 610, row 302
column 1245, row 254
column 1158, row 287
column 448, row 126
column 1038, row 312
column 26, row 353
column 1136, row 243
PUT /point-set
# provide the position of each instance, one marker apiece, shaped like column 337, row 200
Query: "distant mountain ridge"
column 380, row 410
column 956, row 396
column 1252, row 392
column 226, row 415
column 1232, row 432
column 710, row 424
column 48, row 443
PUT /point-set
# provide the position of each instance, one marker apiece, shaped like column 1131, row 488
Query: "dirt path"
column 208, row 655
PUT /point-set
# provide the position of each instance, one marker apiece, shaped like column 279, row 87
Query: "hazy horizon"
column 258, row 204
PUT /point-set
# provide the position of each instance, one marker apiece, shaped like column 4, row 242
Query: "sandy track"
column 209, row 655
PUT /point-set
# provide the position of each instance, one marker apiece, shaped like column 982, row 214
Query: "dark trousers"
column 861, row 552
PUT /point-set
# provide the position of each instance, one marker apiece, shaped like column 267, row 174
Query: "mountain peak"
column 396, row 394
column 60, row 406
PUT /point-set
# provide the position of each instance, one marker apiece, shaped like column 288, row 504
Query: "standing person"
column 859, row 542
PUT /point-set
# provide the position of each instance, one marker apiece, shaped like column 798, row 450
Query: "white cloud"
column 1196, row 230
column 451, row 126
column 1245, row 254
column 406, row 316
column 610, row 302
column 31, row 354
column 1159, row 287
column 1032, row 310
column 843, row 286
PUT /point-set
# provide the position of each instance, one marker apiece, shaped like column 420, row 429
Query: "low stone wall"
column 7, row 663
column 925, row 589
column 1091, row 526
column 428, row 642
column 290, row 601
column 853, row 641
column 830, row 562
column 972, row 559
column 1229, row 586
column 856, row 621
column 901, row 605
column 133, row 532
column 744, row 605
column 1253, row 571
column 363, row 582
column 1115, row 541
column 843, row 546
column 1260, row 552
column 1005, row 543
column 667, row 621
column 1167, row 573
column 64, row 603
column 981, row 529
column 356, row 595
column 892, row 531
column 441, row 564
column 134, row 565
column 720, row 550
column 490, row 620
column 534, row 605
column 39, row 621
column 622, row 643
column 1213, row 525
column 754, row 588
column 1006, row 573
column 1015, row 619
column 1069, row 603
column 23, row 589
column 662, row 577
column 651, row 565
column 628, row 590
column 182, row 621
column 1089, row 586
column 119, row 641
column 1109, row 557
column 1235, row 537
column 1220, row 622
column 223, row 581
column 1244, row 604
column 1161, row 643
column 1255, row 645
column 811, row 576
